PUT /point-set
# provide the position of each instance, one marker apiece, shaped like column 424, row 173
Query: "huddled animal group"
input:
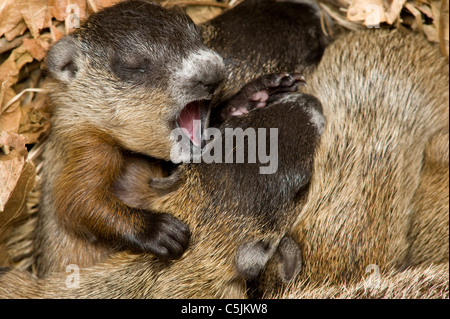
column 360, row 187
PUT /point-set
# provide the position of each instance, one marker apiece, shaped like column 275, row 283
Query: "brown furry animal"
column 363, row 185
column 134, row 69
column 414, row 283
column 231, row 230
column 357, row 87
column 379, row 192
column 120, row 84
column 428, row 235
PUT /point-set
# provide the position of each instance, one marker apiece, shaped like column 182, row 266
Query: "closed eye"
column 134, row 64
column 135, row 69
column 129, row 66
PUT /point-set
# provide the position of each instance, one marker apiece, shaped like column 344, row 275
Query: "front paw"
column 163, row 235
column 259, row 92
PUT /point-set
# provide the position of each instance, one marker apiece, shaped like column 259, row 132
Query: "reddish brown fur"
column 102, row 111
column 94, row 162
column 220, row 224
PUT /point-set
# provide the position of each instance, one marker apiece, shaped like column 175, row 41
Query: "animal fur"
column 259, row 37
column 222, row 216
column 379, row 191
column 415, row 283
column 363, row 188
column 138, row 87
column 428, row 233
column 113, row 93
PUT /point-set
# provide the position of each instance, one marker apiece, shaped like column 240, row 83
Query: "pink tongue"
column 190, row 121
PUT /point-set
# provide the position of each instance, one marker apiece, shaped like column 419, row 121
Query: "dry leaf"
column 431, row 33
column 57, row 31
column 96, row 5
column 200, row 14
column 18, row 30
column 11, row 165
column 9, row 70
column 435, row 11
column 35, row 120
column 38, row 47
column 34, row 48
column 425, row 10
column 34, row 12
column 10, row 118
column 393, row 12
column 370, row 12
column 13, row 140
column 9, row 16
column 20, row 176
column 373, row 12
column 417, row 16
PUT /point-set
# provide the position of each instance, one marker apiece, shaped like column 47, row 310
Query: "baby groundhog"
column 148, row 73
column 237, row 218
column 379, row 193
column 259, row 37
column 119, row 85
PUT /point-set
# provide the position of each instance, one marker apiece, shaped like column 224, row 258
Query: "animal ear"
column 61, row 59
column 289, row 258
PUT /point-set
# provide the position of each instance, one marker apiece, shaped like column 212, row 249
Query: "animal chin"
column 190, row 119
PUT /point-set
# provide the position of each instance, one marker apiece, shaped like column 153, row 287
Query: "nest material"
column 29, row 27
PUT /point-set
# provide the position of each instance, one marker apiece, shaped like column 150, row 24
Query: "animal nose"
column 211, row 87
column 201, row 73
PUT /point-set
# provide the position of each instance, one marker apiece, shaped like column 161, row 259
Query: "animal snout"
column 201, row 72
column 210, row 87
column 209, row 73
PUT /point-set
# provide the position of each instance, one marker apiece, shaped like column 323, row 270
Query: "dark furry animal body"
column 260, row 37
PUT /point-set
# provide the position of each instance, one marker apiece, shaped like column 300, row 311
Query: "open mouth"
column 191, row 118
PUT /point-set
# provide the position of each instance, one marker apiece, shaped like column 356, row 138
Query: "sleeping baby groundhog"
column 119, row 85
